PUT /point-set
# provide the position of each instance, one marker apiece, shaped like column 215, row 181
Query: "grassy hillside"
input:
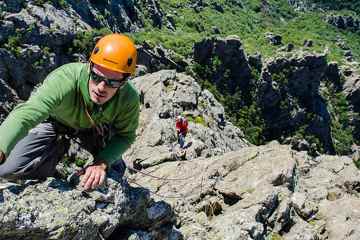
column 251, row 20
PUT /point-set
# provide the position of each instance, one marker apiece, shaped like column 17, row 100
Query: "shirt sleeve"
column 36, row 109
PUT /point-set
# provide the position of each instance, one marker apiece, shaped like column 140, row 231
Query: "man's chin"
column 98, row 101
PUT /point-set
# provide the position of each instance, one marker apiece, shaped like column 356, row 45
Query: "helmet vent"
column 129, row 62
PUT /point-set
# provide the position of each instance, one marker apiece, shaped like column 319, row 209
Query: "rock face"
column 37, row 38
column 259, row 192
column 352, row 90
column 289, row 96
column 8, row 100
column 227, row 58
column 54, row 209
column 167, row 94
column 157, row 58
column 345, row 22
column 274, row 39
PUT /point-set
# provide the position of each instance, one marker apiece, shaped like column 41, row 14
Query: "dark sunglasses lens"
column 114, row 83
column 96, row 78
column 109, row 82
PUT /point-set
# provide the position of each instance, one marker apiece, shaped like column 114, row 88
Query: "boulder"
column 167, row 94
column 157, row 58
column 261, row 192
column 288, row 91
column 74, row 213
column 352, row 90
column 344, row 22
column 227, row 58
column 274, row 39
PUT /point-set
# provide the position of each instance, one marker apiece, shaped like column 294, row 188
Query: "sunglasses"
column 113, row 83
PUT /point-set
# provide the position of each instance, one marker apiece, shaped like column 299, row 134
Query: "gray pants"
column 37, row 154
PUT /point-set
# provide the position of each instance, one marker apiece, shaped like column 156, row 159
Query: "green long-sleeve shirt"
column 62, row 96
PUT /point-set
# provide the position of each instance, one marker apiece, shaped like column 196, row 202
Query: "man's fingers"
column 94, row 177
column 89, row 181
column 85, row 177
column 96, row 181
column 102, row 179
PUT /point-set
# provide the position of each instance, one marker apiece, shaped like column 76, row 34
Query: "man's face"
column 99, row 91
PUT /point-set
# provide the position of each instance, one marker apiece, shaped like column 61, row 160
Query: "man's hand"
column 94, row 176
column 2, row 157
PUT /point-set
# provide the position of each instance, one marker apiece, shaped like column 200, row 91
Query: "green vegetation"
column 352, row 5
column 274, row 236
column 58, row 3
column 13, row 43
column 341, row 129
column 251, row 22
column 85, row 41
column 196, row 119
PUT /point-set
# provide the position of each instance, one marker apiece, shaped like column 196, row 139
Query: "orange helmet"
column 115, row 52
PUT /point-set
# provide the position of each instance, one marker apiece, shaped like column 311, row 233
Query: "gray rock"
column 26, row 71
column 157, row 58
column 6, row 29
column 156, row 13
column 352, row 90
column 299, row 79
column 218, row 7
column 168, row 94
column 288, row 48
column 255, row 61
column 74, row 213
column 274, row 39
column 224, row 55
column 8, row 98
column 344, row 22
column 308, row 43
column 14, row 5
column 333, row 74
column 215, row 30
column 248, row 192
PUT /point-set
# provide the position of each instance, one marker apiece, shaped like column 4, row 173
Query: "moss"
column 80, row 162
column 250, row 190
column 275, row 236
column 200, row 120
column 84, row 41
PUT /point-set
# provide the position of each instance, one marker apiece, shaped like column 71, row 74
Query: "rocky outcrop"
column 35, row 38
column 157, row 58
column 117, row 15
column 289, row 97
column 167, row 94
column 24, row 72
column 227, row 59
column 344, row 22
column 8, row 100
column 352, row 90
column 259, row 193
column 40, row 37
column 300, row 5
column 57, row 209
column 274, row 39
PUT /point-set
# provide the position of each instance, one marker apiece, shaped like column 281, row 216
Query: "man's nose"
column 101, row 86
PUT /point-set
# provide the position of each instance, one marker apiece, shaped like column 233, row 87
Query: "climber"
column 91, row 101
column 181, row 130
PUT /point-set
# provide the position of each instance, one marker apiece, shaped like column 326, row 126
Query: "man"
column 77, row 97
column 181, row 130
